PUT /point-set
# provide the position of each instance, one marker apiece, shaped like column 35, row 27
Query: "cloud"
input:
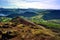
column 40, row 4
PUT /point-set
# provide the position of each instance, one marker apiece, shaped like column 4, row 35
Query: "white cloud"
column 40, row 4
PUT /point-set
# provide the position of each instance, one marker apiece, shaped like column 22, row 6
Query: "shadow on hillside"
column 53, row 14
column 26, row 14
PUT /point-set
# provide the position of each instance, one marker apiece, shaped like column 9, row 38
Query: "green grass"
column 5, row 19
column 48, row 24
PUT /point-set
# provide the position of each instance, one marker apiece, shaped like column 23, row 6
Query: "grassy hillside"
column 21, row 29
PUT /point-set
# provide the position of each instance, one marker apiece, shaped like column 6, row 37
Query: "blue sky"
column 39, row 4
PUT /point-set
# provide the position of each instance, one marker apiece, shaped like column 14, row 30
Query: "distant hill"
column 26, row 14
column 30, row 13
column 53, row 14
column 47, row 14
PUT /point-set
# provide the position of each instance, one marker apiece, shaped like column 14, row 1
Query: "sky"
column 38, row 4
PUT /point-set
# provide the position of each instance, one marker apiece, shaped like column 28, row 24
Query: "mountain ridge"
column 18, row 30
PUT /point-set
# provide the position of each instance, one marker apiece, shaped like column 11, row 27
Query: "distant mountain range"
column 47, row 14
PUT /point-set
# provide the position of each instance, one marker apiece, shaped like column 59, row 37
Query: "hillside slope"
column 21, row 29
